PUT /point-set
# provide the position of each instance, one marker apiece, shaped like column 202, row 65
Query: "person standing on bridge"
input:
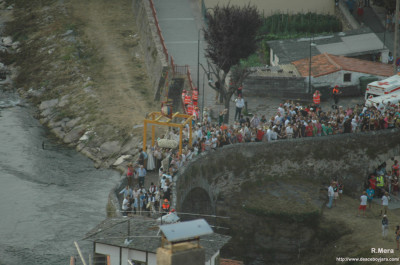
column 335, row 94
column 141, row 171
column 317, row 98
column 239, row 106
column 125, row 206
column 127, row 192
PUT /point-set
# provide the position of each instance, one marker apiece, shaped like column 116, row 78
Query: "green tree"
column 231, row 36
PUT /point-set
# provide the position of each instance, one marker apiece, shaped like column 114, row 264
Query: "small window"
column 347, row 77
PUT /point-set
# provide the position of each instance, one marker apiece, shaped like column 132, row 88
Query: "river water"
column 48, row 197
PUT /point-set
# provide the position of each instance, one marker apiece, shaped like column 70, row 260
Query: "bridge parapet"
column 318, row 159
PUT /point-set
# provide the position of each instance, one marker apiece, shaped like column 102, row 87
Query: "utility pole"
column 198, row 60
column 396, row 29
column 80, row 253
column 309, row 71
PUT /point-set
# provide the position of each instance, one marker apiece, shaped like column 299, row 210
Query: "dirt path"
column 120, row 77
column 360, row 233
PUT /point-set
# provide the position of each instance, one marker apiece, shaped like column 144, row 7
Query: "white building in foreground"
column 137, row 240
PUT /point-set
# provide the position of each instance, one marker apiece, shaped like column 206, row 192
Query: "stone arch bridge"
column 239, row 168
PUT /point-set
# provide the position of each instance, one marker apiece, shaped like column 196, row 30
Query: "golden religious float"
column 167, row 118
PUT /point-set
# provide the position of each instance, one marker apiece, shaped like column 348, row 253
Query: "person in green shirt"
column 329, row 130
column 324, row 129
column 315, row 129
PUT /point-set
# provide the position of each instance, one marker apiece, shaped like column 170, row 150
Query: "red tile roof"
column 230, row 262
column 324, row 64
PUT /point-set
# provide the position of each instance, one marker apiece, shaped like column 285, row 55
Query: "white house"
column 331, row 70
column 361, row 44
column 137, row 239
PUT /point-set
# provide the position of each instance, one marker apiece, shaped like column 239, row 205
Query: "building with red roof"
column 331, row 70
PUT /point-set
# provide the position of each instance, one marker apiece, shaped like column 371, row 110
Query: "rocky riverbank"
column 81, row 65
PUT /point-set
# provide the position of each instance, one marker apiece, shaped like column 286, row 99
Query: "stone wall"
column 274, row 193
column 316, row 159
column 113, row 204
column 263, row 86
column 156, row 63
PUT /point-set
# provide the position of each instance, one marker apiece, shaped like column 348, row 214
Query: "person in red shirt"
column 309, row 130
column 317, row 98
column 239, row 137
column 224, row 127
column 129, row 174
column 372, row 182
column 396, row 168
column 240, row 91
column 260, row 135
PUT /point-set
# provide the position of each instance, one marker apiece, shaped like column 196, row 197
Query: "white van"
column 393, row 98
column 383, row 87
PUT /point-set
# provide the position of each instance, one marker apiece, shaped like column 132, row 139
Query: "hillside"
column 81, row 63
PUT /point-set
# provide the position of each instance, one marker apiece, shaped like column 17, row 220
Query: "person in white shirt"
column 199, row 133
column 267, row 135
column 331, row 193
column 281, row 110
column 239, row 106
column 278, row 118
column 354, row 124
column 274, row 134
column 385, row 203
column 255, row 121
column 289, row 131
column 162, row 182
column 125, row 206
column 363, row 203
column 214, row 141
column 287, row 122
column 208, row 144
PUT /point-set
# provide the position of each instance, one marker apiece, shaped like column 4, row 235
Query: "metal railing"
column 175, row 68
column 153, row 10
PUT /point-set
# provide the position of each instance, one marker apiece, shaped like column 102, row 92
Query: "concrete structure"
column 180, row 243
column 137, row 239
column 330, row 70
column 278, row 81
column 274, row 86
column 187, row 255
column 268, row 7
column 155, row 60
column 361, row 43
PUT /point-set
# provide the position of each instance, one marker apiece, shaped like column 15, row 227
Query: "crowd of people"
column 137, row 199
column 383, row 185
column 292, row 120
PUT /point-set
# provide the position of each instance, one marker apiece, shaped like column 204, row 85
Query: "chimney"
column 180, row 243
